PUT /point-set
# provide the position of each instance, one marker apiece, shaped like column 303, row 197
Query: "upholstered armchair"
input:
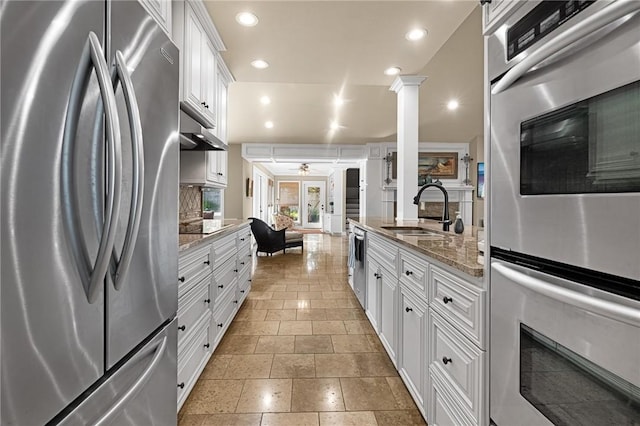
column 270, row 241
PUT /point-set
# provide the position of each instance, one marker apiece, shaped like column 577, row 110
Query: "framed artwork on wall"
column 434, row 164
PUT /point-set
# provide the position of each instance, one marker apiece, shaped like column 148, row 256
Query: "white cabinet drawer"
column 459, row 361
column 223, row 248
column 223, row 316
column 244, row 286
column 444, row 410
column 224, row 277
column 193, row 266
column 243, row 238
column 191, row 307
column 414, row 272
column 385, row 252
column 244, row 262
column 192, row 360
column 461, row 303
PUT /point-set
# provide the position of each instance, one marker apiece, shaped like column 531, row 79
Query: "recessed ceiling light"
column 265, row 100
column 416, row 34
column 260, row 64
column 268, row 124
column 246, row 19
column 392, row 71
column 453, row 104
column 338, row 101
column 334, row 125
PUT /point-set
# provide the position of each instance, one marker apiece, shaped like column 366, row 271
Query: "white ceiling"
column 315, row 169
column 320, row 49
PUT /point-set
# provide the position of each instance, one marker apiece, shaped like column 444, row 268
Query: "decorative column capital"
column 406, row 80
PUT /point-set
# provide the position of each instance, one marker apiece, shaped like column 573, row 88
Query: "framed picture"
column 434, row 164
column 480, row 180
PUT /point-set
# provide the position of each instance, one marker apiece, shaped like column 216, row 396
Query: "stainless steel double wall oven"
column 565, row 214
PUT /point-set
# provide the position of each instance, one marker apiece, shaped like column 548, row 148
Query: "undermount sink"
column 413, row 231
column 403, row 228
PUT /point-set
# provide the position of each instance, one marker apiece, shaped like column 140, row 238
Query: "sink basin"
column 403, row 228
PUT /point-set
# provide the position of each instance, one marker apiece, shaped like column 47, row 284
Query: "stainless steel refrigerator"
column 89, row 169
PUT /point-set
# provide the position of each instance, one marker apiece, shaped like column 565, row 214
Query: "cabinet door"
column 222, row 157
column 208, row 79
column 193, row 60
column 389, row 313
column 413, row 318
column 373, row 293
column 212, row 167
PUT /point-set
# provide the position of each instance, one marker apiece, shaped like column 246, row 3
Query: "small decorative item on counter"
column 458, row 226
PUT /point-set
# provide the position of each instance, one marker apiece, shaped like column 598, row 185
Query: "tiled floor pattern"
column 300, row 352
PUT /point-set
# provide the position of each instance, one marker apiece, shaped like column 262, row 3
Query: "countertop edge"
column 189, row 241
column 475, row 271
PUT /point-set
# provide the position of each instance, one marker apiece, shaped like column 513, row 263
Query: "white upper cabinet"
column 199, row 67
column 222, row 81
column 160, row 10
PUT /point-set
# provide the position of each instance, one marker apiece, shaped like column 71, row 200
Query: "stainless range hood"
column 196, row 133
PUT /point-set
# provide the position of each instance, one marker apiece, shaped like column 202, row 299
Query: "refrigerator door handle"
column 116, row 408
column 92, row 56
column 137, row 153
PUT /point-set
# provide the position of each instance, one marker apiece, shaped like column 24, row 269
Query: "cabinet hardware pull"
column 207, row 346
column 203, row 103
column 235, row 301
column 181, row 385
column 241, row 291
column 182, row 327
column 241, row 239
column 220, row 325
column 207, row 262
column 407, row 273
column 377, row 275
column 242, row 263
column 408, row 309
column 447, row 299
column 221, row 286
column 207, row 300
column 219, row 174
column 235, row 270
column 446, row 360
column 249, row 279
column 181, row 279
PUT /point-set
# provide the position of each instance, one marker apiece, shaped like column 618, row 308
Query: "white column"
column 407, row 87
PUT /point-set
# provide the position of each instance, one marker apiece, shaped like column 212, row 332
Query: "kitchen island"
column 426, row 298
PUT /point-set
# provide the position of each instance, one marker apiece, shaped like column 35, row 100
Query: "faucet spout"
column 445, row 213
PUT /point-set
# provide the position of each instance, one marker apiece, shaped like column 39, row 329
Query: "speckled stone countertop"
column 187, row 241
column 459, row 251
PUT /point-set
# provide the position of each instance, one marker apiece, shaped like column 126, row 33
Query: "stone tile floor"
column 300, row 352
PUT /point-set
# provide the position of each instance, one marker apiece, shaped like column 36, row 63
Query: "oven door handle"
column 589, row 303
column 595, row 22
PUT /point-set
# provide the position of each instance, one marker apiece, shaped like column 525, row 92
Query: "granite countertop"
column 187, row 241
column 459, row 251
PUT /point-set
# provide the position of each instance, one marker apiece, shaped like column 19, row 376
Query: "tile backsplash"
column 190, row 202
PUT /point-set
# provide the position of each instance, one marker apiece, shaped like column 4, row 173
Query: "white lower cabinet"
column 373, row 292
column 389, row 313
column 431, row 320
column 413, row 326
column 208, row 300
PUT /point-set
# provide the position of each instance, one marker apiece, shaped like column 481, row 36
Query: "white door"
column 260, row 209
column 312, row 204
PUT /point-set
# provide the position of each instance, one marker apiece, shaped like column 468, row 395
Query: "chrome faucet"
column 445, row 213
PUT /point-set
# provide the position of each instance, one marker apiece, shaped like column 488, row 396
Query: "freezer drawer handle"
column 92, row 278
column 137, row 386
column 121, row 73
column 447, row 299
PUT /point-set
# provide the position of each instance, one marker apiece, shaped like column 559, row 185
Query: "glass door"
column 312, row 204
